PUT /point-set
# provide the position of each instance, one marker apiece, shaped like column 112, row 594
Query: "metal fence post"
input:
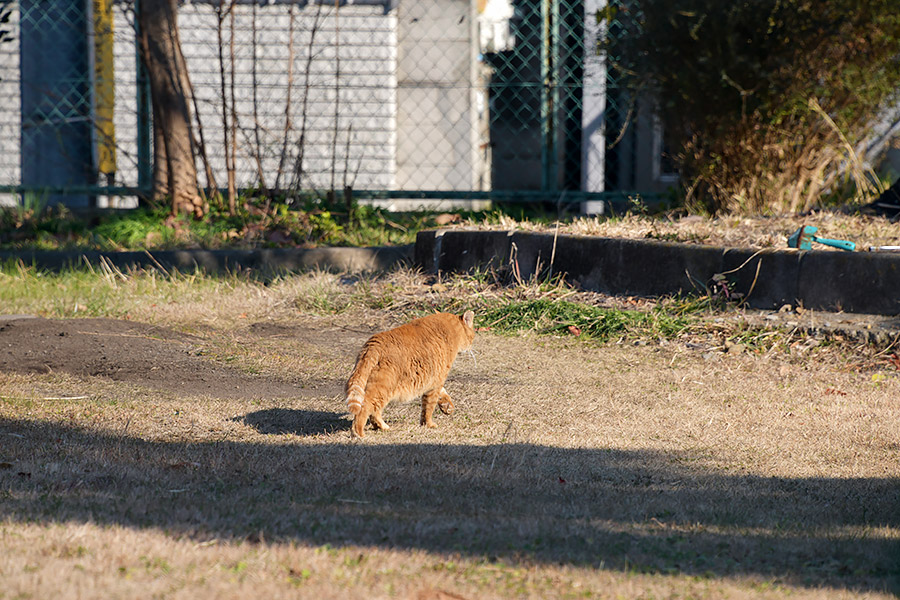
column 549, row 92
column 144, row 122
column 546, row 109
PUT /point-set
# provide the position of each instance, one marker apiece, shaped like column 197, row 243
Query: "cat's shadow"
column 280, row 421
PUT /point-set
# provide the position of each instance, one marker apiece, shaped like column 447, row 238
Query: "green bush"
column 766, row 100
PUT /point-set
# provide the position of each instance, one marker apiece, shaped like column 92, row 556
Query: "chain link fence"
column 398, row 100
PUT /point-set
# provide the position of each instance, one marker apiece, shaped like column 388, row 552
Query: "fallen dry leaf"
column 447, row 218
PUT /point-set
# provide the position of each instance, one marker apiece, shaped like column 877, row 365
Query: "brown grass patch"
column 569, row 469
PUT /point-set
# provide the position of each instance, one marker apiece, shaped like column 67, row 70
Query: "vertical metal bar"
column 556, row 67
column 549, row 92
column 90, row 34
column 104, row 88
column 144, row 123
column 594, row 96
column 546, row 112
column 570, row 81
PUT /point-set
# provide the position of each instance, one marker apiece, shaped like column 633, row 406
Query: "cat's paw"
column 445, row 402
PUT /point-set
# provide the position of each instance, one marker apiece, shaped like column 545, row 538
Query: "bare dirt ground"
column 156, row 357
column 155, row 459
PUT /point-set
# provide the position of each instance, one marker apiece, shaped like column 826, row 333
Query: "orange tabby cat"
column 407, row 362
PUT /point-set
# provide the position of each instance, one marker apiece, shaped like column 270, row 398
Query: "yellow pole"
column 104, row 86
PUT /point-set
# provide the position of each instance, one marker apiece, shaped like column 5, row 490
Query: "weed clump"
column 548, row 316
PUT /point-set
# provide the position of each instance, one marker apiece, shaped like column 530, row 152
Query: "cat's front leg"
column 445, row 403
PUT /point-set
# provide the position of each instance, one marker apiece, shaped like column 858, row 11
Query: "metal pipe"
column 144, row 122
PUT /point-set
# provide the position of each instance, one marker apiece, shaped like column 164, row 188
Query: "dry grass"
column 731, row 231
column 568, row 470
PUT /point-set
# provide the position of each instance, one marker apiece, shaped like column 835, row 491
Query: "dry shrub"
column 767, row 103
column 777, row 170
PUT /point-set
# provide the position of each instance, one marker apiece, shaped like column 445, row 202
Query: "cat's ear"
column 469, row 319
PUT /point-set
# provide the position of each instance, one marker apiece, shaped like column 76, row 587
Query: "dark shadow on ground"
column 279, row 421
column 629, row 510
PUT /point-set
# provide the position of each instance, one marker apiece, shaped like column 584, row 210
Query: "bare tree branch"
column 337, row 88
column 296, row 180
column 232, row 191
column 288, row 125
column 227, row 101
column 256, row 149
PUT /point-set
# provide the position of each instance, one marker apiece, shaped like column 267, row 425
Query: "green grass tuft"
column 548, row 316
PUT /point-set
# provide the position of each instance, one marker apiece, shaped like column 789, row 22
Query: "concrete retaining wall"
column 819, row 279
column 265, row 261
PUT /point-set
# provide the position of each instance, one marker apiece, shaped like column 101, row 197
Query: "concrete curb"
column 858, row 282
column 817, row 279
column 266, row 261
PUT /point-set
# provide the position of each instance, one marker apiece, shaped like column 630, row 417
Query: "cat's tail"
column 356, row 385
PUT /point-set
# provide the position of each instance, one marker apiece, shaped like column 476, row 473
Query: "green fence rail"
column 399, row 101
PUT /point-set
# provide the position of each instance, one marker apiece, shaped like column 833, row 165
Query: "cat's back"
column 442, row 334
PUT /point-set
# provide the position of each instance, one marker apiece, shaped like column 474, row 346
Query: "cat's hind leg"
column 360, row 420
column 429, row 402
column 378, row 421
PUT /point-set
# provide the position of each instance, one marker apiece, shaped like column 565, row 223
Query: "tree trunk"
column 174, row 171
